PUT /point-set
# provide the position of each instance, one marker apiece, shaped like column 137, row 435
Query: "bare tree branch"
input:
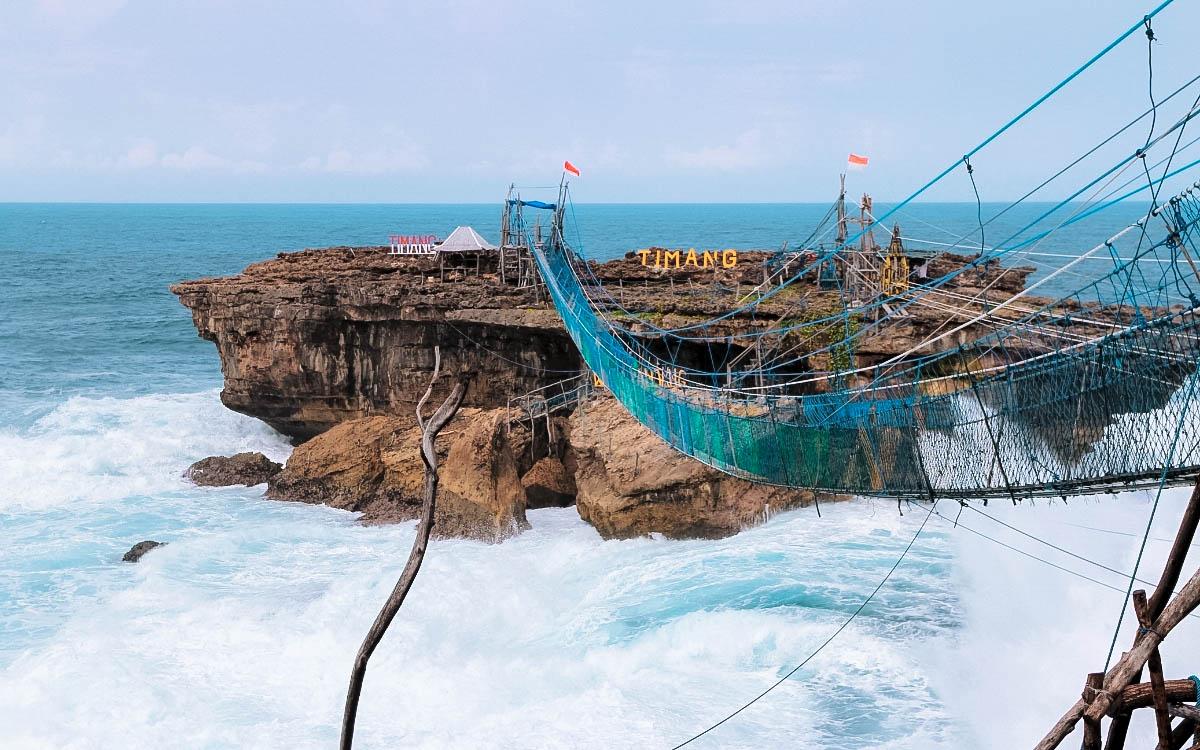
column 429, row 433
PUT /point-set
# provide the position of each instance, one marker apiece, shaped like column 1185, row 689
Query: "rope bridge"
column 1032, row 392
column 1099, row 411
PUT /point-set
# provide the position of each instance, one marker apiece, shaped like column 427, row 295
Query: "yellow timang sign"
column 658, row 257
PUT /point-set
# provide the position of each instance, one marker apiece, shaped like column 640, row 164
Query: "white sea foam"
column 98, row 449
column 243, row 639
column 241, row 631
column 1030, row 633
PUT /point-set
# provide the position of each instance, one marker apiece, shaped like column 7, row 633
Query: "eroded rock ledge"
column 334, row 347
column 314, row 338
column 630, row 482
column 373, row 466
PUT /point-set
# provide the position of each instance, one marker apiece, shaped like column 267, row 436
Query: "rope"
column 983, row 144
column 1149, row 524
column 959, row 525
column 978, row 204
column 1053, row 546
column 827, row 641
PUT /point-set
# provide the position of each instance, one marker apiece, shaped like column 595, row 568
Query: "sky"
column 705, row 101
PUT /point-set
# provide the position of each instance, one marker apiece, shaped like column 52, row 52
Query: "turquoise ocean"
column 240, row 633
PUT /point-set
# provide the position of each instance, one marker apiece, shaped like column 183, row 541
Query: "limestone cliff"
column 315, row 338
column 373, row 466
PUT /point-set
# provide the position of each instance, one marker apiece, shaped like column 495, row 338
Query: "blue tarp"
column 533, row 204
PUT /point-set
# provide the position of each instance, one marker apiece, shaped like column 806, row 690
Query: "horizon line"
column 501, row 201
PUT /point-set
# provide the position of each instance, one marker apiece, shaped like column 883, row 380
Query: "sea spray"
column 240, row 632
column 1031, row 633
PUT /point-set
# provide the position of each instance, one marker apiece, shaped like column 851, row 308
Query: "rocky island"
column 333, row 347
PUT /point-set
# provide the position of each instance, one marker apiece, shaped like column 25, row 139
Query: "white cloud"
column 408, row 158
column 199, row 158
column 141, row 154
column 746, row 151
column 77, row 16
column 20, row 138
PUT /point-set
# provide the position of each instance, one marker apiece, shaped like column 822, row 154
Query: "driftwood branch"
column 429, row 432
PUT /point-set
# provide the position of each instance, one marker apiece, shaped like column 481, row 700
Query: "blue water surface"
column 239, row 632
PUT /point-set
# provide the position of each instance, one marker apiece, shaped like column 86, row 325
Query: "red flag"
column 856, row 160
column 569, row 167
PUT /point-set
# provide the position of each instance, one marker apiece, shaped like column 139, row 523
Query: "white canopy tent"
column 464, row 240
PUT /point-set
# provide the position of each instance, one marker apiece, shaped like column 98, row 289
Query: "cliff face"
column 315, row 338
column 630, row 482
column 311, row 339
column 374, row 466
column 338, row 344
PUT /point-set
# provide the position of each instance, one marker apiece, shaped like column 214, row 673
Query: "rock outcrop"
column 241, row 468
column 137, row 551
column 334, row 347
column 548, row 484
column 319, row 337
column 313, row 338
column 374, row 466
column 630, row 483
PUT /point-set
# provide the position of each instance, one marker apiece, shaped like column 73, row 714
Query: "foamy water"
column 241, row 632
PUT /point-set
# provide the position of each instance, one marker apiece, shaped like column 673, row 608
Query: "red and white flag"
column 856, row 162
column 569, row 167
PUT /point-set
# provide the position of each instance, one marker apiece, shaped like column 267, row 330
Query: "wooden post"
column 1179, row 550
column 1121, row 674
column 391, row 607
column 1091, row 727
column 1183, row 733
column 1161, row 718
column 1118, row 728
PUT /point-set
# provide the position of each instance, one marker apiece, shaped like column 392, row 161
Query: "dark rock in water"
column 548, row 484
column 242, row 468
column 141, row 548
